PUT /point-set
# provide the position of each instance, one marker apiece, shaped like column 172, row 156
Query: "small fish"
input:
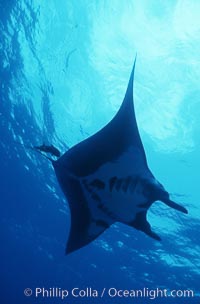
column 48, row 149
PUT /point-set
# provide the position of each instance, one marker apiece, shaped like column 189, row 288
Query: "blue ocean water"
column 64, row 71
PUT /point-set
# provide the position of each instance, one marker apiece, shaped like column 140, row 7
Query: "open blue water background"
column 65, row 65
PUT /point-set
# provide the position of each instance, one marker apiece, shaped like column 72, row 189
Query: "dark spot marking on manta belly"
column 97, row 183
column 126, row 183
column 118, row 184
column 112, row 182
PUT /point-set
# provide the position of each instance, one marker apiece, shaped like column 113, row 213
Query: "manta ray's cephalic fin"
column 141, row 223
column 174, row 205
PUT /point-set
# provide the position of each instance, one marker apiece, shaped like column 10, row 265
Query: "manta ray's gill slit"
column 126, row 183
column 92, row 186
column 112, row 182
column 132, row 184
column 118, row 184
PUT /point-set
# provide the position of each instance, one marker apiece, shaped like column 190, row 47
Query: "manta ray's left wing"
column 116, row 138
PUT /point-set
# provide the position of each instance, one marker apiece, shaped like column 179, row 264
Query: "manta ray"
column 106, row 179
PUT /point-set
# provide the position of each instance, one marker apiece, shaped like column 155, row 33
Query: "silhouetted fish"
column 48, row 149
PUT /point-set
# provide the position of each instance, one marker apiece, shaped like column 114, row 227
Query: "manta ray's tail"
column 174, row 205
